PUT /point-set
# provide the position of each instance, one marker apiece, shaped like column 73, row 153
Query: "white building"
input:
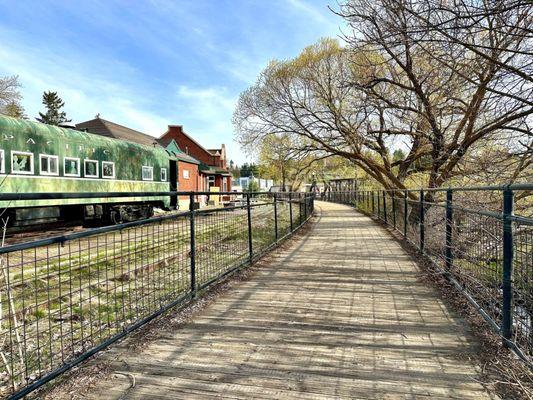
column 244, row 182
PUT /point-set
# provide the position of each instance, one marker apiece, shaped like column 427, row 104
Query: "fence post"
column 290, row 208
column 275, row 216
column 385, row 206
column 394, row 209
column 305, row 206
column 422, row 231
column 373, row 204
column 300, row 209
column 378, row 201
column 193, row 246
column 449, row 231
column 249, row 212
column 405, row 210
column 508, row 253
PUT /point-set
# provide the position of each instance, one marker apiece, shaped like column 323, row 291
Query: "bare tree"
column 10, row 96
column 403, row 83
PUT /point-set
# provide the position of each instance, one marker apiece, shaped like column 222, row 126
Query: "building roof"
column 173, row 148
column 165, row 141
column 102, row 127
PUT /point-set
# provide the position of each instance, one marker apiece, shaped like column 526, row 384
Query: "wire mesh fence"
column 64, row 298
column 480, row 238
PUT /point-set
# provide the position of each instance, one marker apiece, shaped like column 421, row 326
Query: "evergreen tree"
column 53, row 115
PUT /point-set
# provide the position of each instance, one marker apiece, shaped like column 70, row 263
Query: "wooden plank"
column 340, row 314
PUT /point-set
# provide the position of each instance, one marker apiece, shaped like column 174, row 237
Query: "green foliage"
column 53, row 114
column 253, row 186
column 398, row 155
column 249, row 169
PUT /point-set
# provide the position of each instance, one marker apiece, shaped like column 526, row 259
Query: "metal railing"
column 480, row 238
column 64, row 298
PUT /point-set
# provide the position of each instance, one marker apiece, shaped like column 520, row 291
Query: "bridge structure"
column 340, row 310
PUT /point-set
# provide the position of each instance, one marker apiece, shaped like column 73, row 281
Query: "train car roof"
column 13, row 125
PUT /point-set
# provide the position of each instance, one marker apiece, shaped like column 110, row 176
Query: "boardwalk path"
column 340, row 314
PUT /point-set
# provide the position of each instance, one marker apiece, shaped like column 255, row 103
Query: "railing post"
column 385, row 206
column 449, row 230
column 508, row 254
column 193, row 246
column 373, row 203
column 290, row 208
column 300, row 222
column 379, row 205
column 422, row 228
column 394, row 209
column 249, row 212
column 405, row 210
column 305, row 206
column 275, row 217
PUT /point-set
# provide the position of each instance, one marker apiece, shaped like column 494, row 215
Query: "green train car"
column 40, row 158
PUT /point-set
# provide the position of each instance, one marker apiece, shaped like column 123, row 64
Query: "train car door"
column 173, row 175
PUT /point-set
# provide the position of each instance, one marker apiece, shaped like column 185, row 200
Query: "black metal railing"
column 480, row 238
column 64, row 298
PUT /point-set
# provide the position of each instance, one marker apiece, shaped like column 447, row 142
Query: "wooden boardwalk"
column 341, row 313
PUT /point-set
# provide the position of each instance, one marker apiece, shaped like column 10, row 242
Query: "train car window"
column 21, row 162
column 108, row 169
column 2, row 162
column 185, row 174
column 163, row 174
column 91, row 168
column 147, row 173
column 71, row 166
column 49, row 165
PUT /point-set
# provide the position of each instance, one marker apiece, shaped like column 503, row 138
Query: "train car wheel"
column 115, row 217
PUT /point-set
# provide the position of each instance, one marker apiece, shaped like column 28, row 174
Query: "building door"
column 173, row 168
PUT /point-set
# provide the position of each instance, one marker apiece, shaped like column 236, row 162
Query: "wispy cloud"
column 150, row 64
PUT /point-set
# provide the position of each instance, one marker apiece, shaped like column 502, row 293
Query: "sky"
column 148, row 64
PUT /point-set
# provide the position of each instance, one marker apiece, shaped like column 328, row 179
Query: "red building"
column 213, row 170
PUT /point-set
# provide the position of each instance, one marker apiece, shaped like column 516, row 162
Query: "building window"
column 225, row 184
column 147, row 173
column 211, row 181
column 21, row 162
column 108, row 170
column 90, row 168
column 2, row 162
column 185, row 174
column 72, row 166
column 163, row 174
column 49, row 165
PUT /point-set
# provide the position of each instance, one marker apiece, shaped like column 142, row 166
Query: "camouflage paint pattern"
column 41, row 139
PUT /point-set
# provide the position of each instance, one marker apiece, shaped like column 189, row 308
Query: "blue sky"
column 147, row 64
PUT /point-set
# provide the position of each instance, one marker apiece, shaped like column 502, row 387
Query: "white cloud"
column 85, row 91
column 310, row 11
column 206, row 114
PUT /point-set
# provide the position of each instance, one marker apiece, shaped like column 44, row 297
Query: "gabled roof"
column 175, row 150
column 165, row 142
column 102, row 127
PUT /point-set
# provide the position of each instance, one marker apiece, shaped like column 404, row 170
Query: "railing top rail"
column 92, row 195
column 516, row 186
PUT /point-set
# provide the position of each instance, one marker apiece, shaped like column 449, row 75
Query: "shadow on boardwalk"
column 339, row 314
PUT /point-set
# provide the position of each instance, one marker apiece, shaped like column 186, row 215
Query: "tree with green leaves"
column 248, row 170
column 53, row 115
